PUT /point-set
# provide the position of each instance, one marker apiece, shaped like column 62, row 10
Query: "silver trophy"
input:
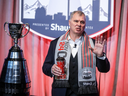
column 15, row 78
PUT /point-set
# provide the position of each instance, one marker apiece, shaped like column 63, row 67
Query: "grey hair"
column 78, row 12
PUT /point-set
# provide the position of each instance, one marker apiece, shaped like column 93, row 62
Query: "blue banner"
column 49, row 18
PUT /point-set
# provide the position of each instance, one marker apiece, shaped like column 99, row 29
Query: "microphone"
column 75, row 45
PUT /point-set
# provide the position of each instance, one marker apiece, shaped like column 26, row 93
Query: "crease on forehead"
column 78, row 18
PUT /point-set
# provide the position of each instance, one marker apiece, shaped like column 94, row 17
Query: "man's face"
column 77, row 24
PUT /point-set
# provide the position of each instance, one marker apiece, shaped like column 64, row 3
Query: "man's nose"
column 79, row 24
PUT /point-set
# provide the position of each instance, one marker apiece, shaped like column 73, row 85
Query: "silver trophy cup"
column 15, row 78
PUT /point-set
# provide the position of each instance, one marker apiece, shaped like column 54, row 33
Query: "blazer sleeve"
column 103, row 65
column 49, row 60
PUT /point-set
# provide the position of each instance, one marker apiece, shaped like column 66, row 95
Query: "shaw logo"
column 49, row 18
column 59, row 28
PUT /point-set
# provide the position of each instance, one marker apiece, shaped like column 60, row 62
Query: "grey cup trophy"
column 15, row 80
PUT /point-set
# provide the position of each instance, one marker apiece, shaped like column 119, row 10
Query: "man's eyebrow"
column 75, row 20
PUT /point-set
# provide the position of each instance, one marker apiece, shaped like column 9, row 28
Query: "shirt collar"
column 79, row 39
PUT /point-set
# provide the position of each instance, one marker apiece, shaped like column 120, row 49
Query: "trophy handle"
column 25, row 27
column 5, row 29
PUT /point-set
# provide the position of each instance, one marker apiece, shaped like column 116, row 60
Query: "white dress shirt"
column 77, row 42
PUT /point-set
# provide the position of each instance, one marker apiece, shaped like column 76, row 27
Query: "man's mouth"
column 78, row 29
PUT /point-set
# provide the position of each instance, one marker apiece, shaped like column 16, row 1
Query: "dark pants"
column 71, row 93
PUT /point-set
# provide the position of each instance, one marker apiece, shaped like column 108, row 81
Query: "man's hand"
column 56, row 70
column 99, row 45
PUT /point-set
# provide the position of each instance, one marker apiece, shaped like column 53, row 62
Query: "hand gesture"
column 99, row 45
